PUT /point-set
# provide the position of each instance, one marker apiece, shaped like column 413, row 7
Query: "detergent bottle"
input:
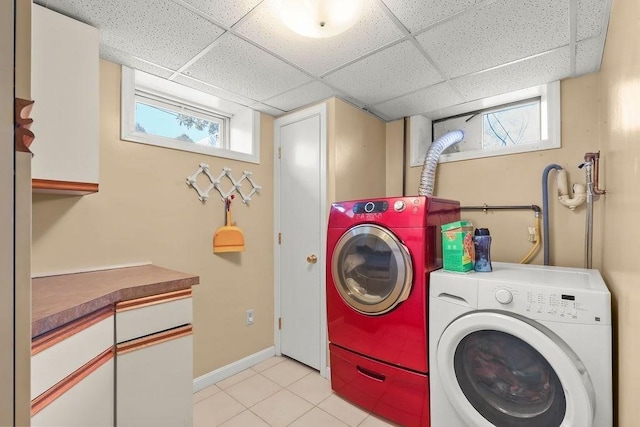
column 482, row 245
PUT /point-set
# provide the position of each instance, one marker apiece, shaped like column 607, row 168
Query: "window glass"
column 371, row 269
column 514, row 125
column 499, row 127
column 508, row 381
column 180, row 126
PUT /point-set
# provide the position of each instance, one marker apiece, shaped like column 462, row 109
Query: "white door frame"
column 321, row 110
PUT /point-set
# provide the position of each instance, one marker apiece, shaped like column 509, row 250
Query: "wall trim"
column 238, row 366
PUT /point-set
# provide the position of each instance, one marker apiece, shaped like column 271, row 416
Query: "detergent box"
column 457, row 246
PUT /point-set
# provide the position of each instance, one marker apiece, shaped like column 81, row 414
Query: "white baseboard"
column 220, row 374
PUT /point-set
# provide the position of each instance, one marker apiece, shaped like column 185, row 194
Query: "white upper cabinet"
column 65, row 88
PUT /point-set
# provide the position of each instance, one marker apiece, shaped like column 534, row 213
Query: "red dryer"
column 379, row 255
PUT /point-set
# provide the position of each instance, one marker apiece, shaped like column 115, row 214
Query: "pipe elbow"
column 579, row 197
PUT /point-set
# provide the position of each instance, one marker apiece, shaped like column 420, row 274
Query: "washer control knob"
column 398, row 206
column 504, row 296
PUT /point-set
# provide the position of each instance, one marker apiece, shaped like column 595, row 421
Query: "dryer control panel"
column 370, row 207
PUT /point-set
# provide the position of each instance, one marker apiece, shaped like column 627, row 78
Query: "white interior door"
column 300, row 140
column 7, row 153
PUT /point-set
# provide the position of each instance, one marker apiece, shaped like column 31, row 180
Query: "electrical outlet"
column 532, row 234
column 250, row 318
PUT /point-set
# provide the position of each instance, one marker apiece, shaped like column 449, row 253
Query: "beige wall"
column 620, row 136
column 517, row 180
column 146, row 212
column 356, row 155
column 394, row 158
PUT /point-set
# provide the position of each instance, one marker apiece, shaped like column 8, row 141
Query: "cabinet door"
column 148, row 315
column 154, row 380
column 65, row 86
column 59, row 353
column 86, row 402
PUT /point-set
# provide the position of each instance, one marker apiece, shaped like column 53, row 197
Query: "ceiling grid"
column 404, row 57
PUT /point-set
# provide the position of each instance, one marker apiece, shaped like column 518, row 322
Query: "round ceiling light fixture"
column 320, row 18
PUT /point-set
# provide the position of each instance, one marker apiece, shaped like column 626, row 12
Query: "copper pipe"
column 594, row 158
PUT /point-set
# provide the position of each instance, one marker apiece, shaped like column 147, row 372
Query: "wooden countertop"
column 58, row 300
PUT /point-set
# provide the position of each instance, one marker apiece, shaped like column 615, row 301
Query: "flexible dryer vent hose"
column 428, row 177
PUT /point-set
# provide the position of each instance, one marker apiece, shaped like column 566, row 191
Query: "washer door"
column 509, row 371
column 371, row 269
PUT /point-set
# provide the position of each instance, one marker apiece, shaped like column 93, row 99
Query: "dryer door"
column 509, row 371
column 371, row 269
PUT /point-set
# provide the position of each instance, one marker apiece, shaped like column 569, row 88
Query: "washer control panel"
column 545, row 303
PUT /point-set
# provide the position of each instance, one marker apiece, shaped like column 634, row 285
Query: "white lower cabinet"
column 136, row 371
column 87, row 403
column 154, row 361
column 154, row 383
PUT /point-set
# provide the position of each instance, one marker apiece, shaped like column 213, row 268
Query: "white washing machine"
column 525, row 346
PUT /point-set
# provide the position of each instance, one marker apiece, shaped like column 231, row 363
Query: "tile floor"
column 277, row 392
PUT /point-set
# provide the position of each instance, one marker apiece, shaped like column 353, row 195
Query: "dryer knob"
column 503, row 296
column 398, row 206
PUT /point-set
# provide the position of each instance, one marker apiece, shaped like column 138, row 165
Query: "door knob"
column 312, row 259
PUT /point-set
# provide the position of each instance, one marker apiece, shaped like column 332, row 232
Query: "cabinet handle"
column 154, row 339
column 312, row 259
column 370, row 374
column 152, row 300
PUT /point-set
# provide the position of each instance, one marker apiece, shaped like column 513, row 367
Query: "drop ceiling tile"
column 591, row 18
column 224, row 11
column 301, row 96
column 241, row 68
column 393, row 71
column 419, row 14
column 213, row 90
column 589, row 55
column 497, row 33
column 119, row 57
column 159, row 31
column 422, row 101
column 538, row 70
column 374, row 30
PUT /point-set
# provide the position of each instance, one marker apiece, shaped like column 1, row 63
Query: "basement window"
column 522, row 121
column 160, row 112
column 180, row 123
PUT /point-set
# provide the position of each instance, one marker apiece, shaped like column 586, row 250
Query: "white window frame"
column 243, row 123
column 420, row 127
